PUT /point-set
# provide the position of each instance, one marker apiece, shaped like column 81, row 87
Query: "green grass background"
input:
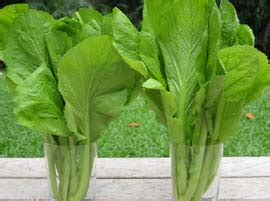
column 148, row 140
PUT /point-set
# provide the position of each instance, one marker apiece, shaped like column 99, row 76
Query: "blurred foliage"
column 7, row 2
column 58, row 8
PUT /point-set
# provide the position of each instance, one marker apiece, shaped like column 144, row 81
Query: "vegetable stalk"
column 70, row 177
column 201, row 173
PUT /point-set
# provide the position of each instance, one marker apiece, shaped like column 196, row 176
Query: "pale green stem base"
column 70, row 167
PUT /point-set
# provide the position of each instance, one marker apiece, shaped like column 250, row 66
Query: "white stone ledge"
column 139, row 179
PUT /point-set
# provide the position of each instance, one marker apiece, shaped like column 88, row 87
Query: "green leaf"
column 92, row 18
column 7, row 16
column 214, row 32
column 245, row 36
column 162, row 103
column 263, row 77
column 153, row 84
column 214, row 95
column 107, row 25
column 95, row 83
column 126, row 41
column 71, row 27
column 230, row 23
column 38, row 104
column 151, row 18
column 65, row 34
column 242, row 66
column 26, row 47
column 58, row 43
column 230, row 119
column 88, row 15
column 142, row 52
column 215, row 89
column 91, row 21
column 247, row 74
column 149, row 54
column 184, row 47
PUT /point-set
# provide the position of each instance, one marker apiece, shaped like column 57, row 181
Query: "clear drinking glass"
column 196, row 172
column 71, row 171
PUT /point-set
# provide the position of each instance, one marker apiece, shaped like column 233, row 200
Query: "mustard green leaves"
column 185, row 47
column 68, row 78
column 197, row 64
column 200, row 69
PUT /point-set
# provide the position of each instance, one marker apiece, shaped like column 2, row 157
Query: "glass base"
column 91, row 194
column 213, row 191
column 196, row 172
column 71, row 169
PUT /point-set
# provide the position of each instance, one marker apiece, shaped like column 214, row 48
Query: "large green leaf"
column 230, row 23
column 245, row 36
column 71, row 27
column 227, row 120
column 161, row 101
column 127, row 42
column 242, row 67
column 26, row 47
column 95, row 21
column 38, row 103
column 185, row 56
column 150, row 55
column 7, row 16
column 58, row 43
column 74, row 29
column 247, row 74
column 95, row 83
column 88, row 16
column 263, row 78
column 139, row 50
column 151, row 18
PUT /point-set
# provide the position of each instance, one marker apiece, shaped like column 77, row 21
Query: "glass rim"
column 47, row 144
column 196, row 146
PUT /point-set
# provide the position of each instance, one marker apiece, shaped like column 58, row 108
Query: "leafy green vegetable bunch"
column 69, row 83
column 200, row 70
